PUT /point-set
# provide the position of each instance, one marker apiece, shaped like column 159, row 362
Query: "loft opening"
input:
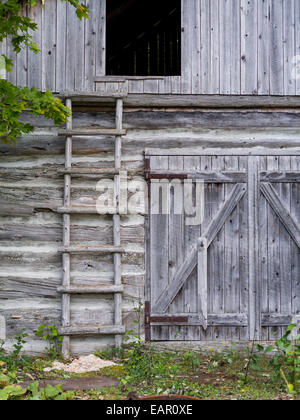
column 143, row 38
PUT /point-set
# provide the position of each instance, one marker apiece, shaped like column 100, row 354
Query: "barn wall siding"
column 31, row 233
column 228, row 47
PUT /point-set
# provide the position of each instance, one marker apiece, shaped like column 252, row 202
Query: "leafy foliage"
column 15, row 100
column 50, row 333
column 285, row 363
column 50, row 392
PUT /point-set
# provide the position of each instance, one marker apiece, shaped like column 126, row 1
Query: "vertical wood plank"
column 206, row 165
column 205, row 46
column 196, row 49
column 254, row 280
column 235, row 65
column 202, row 280
column 285, row 245
column 186, row 46
column 263, row 251
column 159, row 239
column 225, row 46
column 232, row 257
column 274, row 257
column 61, row 34
column 214, row 69
column 217, row 251
column 248, row 47
column 49, row 45
column 276, row 48
column 35, row 60
column 295, row 252
column 101, row 39
column 12, row 76
column 297, row 41
column 176, row 245
column 70, row 48
column 91, row 28
column 80, row 54
column 243, row 252
column 263, row 48
column 191, row 236
column 21, row 61
column 289, row 46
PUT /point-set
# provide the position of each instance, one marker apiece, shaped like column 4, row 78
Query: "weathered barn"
column 175, row 90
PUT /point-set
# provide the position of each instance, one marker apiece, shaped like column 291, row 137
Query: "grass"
column 206, row 375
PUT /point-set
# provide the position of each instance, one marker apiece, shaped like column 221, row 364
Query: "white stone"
column 84, row 364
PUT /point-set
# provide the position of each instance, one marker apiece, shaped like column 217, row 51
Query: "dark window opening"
column 143, row 38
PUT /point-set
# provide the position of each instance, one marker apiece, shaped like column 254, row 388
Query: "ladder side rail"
column 66, row 299
column 117, row 222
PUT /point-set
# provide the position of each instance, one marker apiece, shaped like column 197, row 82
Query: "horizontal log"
column 13, row 287
column 92, row 330
column 13, row 209
column 52, row 232
column 86, row 290
column 181, row 101
column 211, row 101
column 154, row 119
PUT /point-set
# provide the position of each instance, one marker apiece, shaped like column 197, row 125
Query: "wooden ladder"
column 67, row 289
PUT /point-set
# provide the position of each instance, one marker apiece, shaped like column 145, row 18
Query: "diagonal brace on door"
column 279, row 208
column 186, row 269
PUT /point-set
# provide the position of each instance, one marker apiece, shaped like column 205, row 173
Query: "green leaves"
column 50, row 333
column 285, row 363
column 11, row 392
column 15, row 100
column 50, row 392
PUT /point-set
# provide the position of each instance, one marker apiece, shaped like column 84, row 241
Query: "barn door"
column 198, row 271
column 279, row 243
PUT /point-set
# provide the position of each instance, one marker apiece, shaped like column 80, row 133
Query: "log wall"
column 30, row 188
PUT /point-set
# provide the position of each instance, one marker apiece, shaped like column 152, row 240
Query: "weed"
column 49, row 333
column 286, row 363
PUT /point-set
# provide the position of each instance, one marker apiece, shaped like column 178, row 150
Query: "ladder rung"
column 87, row 210
column 86, row 290
column 92, row 330
column 90, row 171
column 93, row 132
column 92, row 250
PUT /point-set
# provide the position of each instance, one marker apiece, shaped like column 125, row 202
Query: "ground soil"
column 77, row 384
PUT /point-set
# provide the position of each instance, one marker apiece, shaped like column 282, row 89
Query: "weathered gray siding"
column 31, row 233
column 228, row 46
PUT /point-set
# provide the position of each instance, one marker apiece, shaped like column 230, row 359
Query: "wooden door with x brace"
column 235, row 275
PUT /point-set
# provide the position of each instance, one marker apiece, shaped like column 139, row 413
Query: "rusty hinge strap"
column 150, row 175
column 170, row 319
